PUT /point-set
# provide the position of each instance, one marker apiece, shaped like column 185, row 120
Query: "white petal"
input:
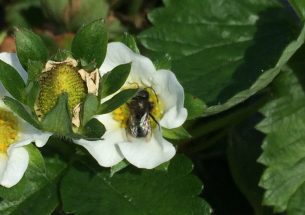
column 28, row 132
column 142, row 71
column 25, row 135
column 108, row 121
column 3, row 163
column 104, row 151
column 18, row 160
column 23, row 142
column 12, row 59
column 141, row 67
column 148, row 153
column 117, row 53
column 171, row 93
column 42, row 138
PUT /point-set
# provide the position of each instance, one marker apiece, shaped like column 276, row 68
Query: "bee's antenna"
column 154, row 119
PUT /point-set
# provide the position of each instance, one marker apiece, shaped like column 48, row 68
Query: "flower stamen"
column 8, row 130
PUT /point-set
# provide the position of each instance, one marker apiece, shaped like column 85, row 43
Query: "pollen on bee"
column 8, row 129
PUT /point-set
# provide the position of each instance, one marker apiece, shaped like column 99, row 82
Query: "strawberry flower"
column 15, row 133
column 134, row 130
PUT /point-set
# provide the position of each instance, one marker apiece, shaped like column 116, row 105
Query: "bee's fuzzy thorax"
column 125, row 113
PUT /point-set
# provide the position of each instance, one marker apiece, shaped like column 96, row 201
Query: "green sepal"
column 30, row 47
column 195, row 106
column 36, row 158
column 34, row 69
column 163, row 167
column 130, row 41
column 12, row 81
column 61, row 55
column 176, row 133
column 118, row 167
column 58, row 119
column 114, row 80
column 20, row 110
column 94, row 129
column 89, row 67
column 116, row 101
column 32, row 91
column 90, row 107
column 90, row 44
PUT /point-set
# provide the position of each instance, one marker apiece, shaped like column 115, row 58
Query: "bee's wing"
column 144, row 122
column 145, row 125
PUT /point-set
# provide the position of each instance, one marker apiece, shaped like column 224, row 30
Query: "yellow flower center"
column 122, row 113
column 8, row 129
column 62, row 78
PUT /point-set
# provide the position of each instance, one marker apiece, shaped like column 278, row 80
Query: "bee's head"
column 142, row 94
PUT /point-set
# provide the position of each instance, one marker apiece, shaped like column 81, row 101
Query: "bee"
column 138, row 123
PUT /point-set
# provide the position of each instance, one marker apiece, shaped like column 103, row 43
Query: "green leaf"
column 116, row 101
column 299, row 7
column 264, row 79
column 90, row 107
column 90, row 44
column 242, row 152
column 195, row 107
column 30, row 47
column 162, row 61
column 11, row 80
column 24, row 13
column 73, row 14
column 20, row 110
column 284, row 147
column 214, row 46
column 38, row 186
column 115, row 79
column 94, row 129
column 134, row 192
column 58, row 119
column 55, row 11
column 130, row 41
column 176, row 133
